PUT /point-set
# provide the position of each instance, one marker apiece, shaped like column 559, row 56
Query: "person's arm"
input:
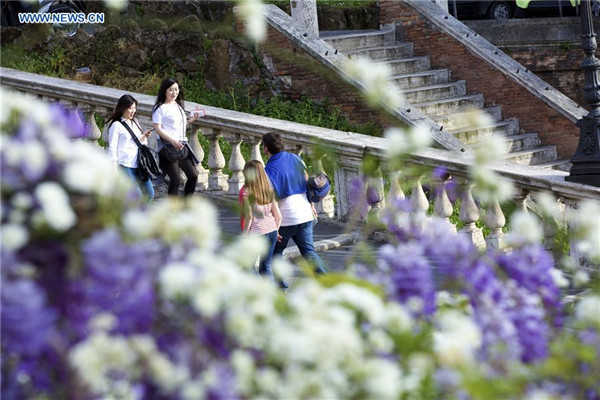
column 246, row 215
column 277, row 214
column 143, row 135
column 113, row 141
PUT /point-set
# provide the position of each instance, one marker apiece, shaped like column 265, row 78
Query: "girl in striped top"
column 260, row 213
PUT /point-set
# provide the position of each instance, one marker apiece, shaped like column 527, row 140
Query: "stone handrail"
column 349, row 148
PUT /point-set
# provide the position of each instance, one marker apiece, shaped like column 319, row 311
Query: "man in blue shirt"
column 288, row 176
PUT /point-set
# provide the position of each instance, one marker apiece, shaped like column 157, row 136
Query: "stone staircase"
column 440, row 98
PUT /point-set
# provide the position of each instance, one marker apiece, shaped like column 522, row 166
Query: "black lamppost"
column 586, row 160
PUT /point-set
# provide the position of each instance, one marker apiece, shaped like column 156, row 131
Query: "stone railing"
column 349, row 149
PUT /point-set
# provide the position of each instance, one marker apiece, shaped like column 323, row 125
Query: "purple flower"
column 26, row 320
column 408, row 274
column 528, row 315
column 119, row 279
column 530, row 267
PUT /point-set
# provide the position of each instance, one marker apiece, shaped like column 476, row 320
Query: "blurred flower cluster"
column 103, row 298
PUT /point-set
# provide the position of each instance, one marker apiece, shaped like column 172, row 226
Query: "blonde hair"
column 257, row 183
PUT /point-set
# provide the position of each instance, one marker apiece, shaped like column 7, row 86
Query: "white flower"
column 457, row 339
column 525, row 229
column 177, row 280
column 116, row 4
column 581, row 278
column 490, row 148
column 374, row 79
column 587, row 229
column 282, row 268
column 137, row 223
column 402, row 142
column 103, row 322
column 56, row 209
column 251, row 12
column 397, row 319
column 245, row 250
column 489, row 185
column 14, row 236
column 548, row 204
column 588, row 309
column 558, row 278
column 383, row 379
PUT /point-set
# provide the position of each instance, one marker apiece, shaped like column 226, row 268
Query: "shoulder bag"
column 148, row 161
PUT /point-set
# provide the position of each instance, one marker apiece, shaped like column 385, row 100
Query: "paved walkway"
column 332, row 240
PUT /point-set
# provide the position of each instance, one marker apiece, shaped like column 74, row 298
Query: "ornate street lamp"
column 586, row 160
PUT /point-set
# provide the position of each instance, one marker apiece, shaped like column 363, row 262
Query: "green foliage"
column 18, row 57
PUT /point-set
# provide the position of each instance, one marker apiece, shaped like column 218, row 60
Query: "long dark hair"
column 162, row 93
column 123, row 104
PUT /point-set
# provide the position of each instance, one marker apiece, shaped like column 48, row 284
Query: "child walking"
column 259, row 212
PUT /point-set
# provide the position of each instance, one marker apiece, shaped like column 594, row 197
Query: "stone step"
column 422, row 78
column 409, row 64
column 522, row 141
column 435, row 92
column 472, row 134
column 383, row 53
column 349, row 41
column 459, row 120
column 450, row 105
column 540, row 155
column 559, row 165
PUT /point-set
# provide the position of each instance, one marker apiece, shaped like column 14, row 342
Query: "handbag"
column 318, row 186
column 173, row 154
column 148, row 161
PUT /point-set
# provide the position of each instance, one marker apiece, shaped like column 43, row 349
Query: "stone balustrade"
column 349, row 150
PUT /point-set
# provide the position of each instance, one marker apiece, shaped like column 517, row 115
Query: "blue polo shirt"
column 287, row 174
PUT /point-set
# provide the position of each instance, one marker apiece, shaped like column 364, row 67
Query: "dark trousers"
column 172, row 170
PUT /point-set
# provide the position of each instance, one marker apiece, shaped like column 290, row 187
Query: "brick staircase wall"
column 447, row 52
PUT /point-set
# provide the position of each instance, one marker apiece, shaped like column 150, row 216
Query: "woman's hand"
column 176, row 144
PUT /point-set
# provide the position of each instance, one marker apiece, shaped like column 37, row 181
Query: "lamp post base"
column 586, row 160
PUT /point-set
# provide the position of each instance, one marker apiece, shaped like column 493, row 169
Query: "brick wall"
column 534, row 115
column 557, row 65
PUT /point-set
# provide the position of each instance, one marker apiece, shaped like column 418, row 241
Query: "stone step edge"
column 417, row 73
column 344, row 239
column 387, row 47
column 327, row 37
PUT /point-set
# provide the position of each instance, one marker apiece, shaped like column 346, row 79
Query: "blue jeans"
column 145, row 189
column 264, row 267
column 302, row 234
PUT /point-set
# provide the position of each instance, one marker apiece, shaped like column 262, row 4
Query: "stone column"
column 202, row 183
column 255, row 150
column 346, row 170
column 304, row 12
column 495, row 220
column 217, row 180
column 325, row 208
column 469, row 215
column 236, row 165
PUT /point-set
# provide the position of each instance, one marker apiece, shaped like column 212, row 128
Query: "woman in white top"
column 168, row 117
column 122, row 148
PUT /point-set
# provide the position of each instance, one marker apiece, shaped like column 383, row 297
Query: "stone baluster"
column 236, row 165
column 255, row 154
column 469, row 215
column 395, row 192
column 202, row 183
column 521, row 198
column 443, row 207
column 375, row 193
column 495, row 220
column 418, row 199
column 94, row 131
column 326, row 207
column 217, row 180
column 578, row 258
column 345, row 172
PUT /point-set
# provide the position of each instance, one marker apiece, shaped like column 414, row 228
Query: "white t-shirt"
column 171, row 118
column 121, row 147
column 295, row 209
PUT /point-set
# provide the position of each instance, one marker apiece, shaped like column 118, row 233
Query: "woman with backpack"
column 122, row 147
column 259, row 212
